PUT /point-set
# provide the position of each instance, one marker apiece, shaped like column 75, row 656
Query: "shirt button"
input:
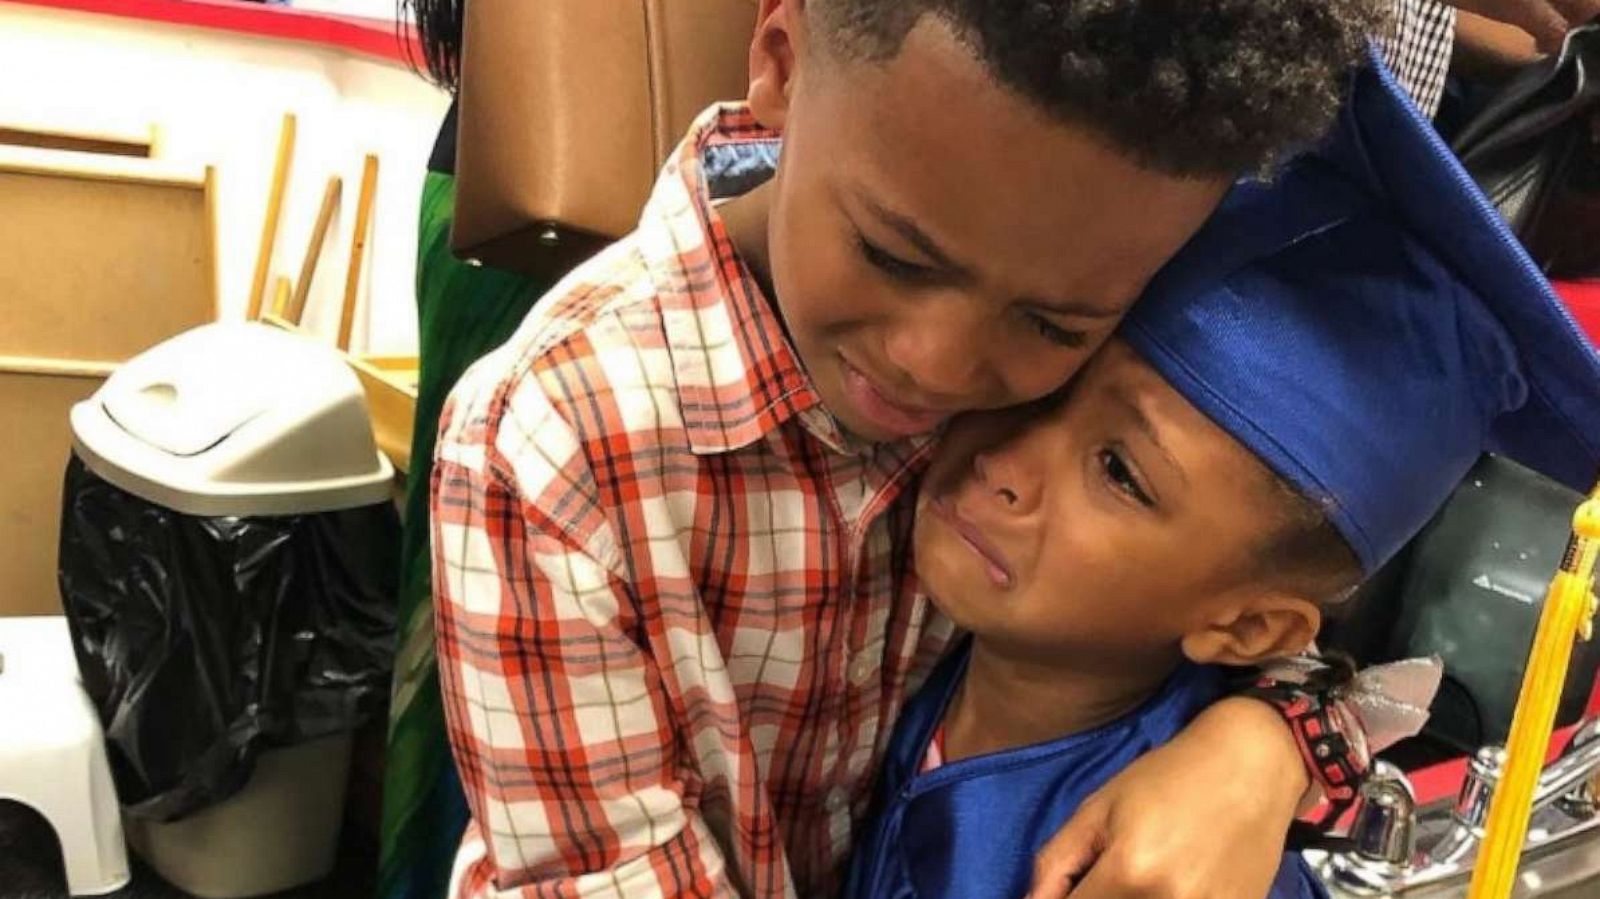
column 860, row 670
column 837, row 800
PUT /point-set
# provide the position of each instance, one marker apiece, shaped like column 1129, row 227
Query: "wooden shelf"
column 391, row 387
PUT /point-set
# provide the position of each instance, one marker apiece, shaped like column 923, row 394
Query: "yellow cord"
column 1568, row 615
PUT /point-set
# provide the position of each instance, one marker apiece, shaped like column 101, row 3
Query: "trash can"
column 228, row 561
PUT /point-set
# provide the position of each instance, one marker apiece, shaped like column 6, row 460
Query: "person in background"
column 463, row 312
column 1416, row 43
column 1489, row 51
column 1480, row 42
column 1546, row 22
column 1427, row 41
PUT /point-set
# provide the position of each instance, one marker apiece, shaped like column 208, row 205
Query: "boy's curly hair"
column 1189, row 87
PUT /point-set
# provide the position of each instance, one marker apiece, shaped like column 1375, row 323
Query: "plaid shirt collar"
column 738, row 377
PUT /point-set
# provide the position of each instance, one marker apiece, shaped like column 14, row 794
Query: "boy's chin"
column 854, row 422
column 862, row 429
column 972, row 610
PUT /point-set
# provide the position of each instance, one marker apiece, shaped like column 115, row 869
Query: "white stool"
column 53, row 753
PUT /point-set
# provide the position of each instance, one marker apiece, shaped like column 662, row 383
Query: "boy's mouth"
column 888, row 415
column 998, row 569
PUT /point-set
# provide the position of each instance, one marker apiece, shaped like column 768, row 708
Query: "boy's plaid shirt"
column 676, row 619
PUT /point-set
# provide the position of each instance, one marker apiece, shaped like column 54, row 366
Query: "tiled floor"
column 30, row 866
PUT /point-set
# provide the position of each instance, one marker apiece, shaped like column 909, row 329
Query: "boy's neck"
column 745, row 218
column 1005, row 702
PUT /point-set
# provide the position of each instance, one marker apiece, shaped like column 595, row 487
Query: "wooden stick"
column 269, row 228
column 61, row 368
column 358, row 249
column 280, row 296
column 111, row 169
column 76, row 143
column 268, row 318
column 211, row 243
column 319, row 233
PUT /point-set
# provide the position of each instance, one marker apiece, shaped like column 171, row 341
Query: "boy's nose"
column 1004, row 479
column 941, row 351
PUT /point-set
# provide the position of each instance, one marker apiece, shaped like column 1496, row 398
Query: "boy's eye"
column 1055, row 333
column 1122, row 478
column 891, row 265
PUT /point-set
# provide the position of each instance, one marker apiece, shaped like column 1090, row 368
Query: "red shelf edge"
column 367, row 37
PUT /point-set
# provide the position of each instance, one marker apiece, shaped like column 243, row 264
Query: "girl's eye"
column 1122, row 478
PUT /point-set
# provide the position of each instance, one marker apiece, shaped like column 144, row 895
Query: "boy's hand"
column 1203, row 817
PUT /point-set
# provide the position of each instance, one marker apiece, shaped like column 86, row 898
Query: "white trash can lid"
column 235, row 419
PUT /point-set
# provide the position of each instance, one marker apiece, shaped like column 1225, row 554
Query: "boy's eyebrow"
column 906, row 228
column 911, row 233
column 1143, row 423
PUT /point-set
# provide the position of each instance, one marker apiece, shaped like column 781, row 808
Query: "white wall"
column 219, row 99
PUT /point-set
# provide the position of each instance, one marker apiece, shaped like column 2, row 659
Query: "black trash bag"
column 203, row 641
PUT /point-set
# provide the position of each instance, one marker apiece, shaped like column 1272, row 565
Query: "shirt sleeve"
column 1416, row 45
column 557, row 716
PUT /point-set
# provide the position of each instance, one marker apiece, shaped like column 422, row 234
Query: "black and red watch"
column 1329, row 734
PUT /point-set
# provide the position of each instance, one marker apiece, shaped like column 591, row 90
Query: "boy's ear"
column 1254, row 629
column 776, row 46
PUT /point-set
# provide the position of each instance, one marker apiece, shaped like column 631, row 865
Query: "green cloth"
column 464, row 311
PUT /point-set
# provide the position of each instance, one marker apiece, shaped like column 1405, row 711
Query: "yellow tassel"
column 1568, row 615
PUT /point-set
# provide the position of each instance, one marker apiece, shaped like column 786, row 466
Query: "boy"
column 671, row 516
column 1295, row 397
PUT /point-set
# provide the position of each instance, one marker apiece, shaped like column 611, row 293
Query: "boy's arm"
column 557, row 717
column 1203, row 817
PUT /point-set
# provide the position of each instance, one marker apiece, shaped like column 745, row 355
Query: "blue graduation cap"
column 1368, row 326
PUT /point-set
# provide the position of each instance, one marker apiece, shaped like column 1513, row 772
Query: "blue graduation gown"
column 971, row 828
